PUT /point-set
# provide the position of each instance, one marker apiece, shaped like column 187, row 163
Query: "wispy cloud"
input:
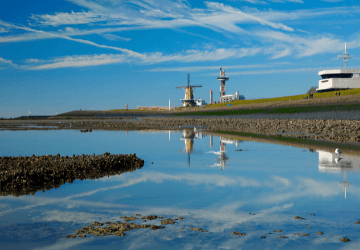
column 113, row 37
column 152, row 58
column 76, row 61
column 3, row 30
column 68, row 18
column 332, row 1
column 271, row 1
column 211, row 68
column 275, row 71
column 9, row 62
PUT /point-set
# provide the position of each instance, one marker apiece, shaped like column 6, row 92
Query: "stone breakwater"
column 332, row 130
column 26, row 175
column 318, row 129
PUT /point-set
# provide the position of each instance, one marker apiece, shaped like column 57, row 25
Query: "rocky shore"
column 27, row 175
column 317, row 129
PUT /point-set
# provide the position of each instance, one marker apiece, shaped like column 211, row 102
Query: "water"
column 200, row 177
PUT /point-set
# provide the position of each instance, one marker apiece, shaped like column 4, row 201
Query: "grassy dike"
column 286, row 98
column 288, row 110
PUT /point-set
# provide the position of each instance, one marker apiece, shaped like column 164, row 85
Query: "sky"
column 59, row 56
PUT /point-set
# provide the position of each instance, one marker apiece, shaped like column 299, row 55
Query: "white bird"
column 337, row 151
column 216, row 153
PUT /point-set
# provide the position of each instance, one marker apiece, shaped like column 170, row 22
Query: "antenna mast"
column 345, row 56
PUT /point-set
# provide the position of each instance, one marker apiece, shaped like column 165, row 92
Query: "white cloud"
column 152, row 58
column 68, row 18
column 78, row 61
column 9, row 62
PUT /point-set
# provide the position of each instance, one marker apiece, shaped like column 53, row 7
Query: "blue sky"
column 101, row 54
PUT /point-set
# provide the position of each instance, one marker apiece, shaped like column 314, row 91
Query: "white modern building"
column 200, row 102
column 339, row 79
column 230, row 98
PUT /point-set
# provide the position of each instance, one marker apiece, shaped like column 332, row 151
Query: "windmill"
column 188, row 101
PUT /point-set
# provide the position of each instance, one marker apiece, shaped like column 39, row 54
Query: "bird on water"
column 337, row 151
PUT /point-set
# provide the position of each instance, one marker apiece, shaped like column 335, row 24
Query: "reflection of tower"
column 188, row 101
column 211, row 141
column 333, row 163
column 344, row 183
column 222, row 78
column 211, row 96
column 222, row 157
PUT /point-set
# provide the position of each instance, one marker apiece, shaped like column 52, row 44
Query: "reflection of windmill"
column 344, row 183
column 188, row 137
column 29, row 113
column 188, row 101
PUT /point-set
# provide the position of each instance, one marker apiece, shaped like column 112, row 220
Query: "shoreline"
column 336, row 131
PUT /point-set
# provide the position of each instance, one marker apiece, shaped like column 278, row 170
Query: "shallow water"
column 200, row 177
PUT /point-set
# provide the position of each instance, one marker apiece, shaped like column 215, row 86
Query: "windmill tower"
column 188, row 101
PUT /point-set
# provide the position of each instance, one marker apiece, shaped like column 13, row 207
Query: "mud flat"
column 27, row 175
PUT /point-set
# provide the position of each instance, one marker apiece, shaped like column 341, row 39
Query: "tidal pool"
column 218, row 184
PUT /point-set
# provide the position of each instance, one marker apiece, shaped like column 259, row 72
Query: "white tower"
column 222, row 78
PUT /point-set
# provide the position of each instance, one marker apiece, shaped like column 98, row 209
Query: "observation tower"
column 188, row 101
column 222, row 78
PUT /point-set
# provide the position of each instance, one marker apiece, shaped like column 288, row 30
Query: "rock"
column 263, row 237
column 95, row 223
column 153, row 227
column 358, row 222
column 137, row 214
column 149, row 217
column 181, row 218
column 345, row 239
column 46, row 172
column 70, row 236
column 305, row 234
column 167, row 221
column 198, row 229
column 320, row 233
column 237, row 233
column 298, row 218
column 129, row 218
column 279, row 231
column 282, row 237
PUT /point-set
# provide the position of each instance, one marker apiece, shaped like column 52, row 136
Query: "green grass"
column 288, row 110
column 286, row 98
column 291, row 139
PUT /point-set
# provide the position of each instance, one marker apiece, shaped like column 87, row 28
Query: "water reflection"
column 189, row 136
column 222, row 156
column 333, row 163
